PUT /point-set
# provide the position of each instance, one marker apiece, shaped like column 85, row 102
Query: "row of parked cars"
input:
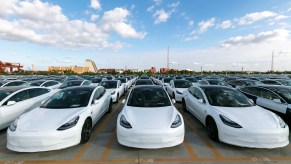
column 149, row 118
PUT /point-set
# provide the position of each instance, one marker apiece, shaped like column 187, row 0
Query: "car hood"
column 150, row 118
column 42, row 119
column 253, row 117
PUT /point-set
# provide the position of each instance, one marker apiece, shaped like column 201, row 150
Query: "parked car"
column 143, row 82
column 271, row 82
column 243, row 82
column 176, row 88
column 64, row 120
column 44, row 83
column 274, row 98
column 230, row 117
column 11, row 83
column 15, row 101
column 149, row 119
column 71, row 83
column 114, row 87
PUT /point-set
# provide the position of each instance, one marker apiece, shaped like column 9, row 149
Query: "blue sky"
column 214, row 35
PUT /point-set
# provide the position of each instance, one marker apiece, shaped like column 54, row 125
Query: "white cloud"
column 94, row 17
column 190, row 23
column 255, row 16
column 174, row 5
column 7, row 7
column 205, row 25
column 280, row 17
column 225, row 24
column 95, row 4
column 161, row 16
column 157, row 2
column 150, row 9
column 44, row 23
column 288, row 10
column 263, row 37
column 115, row 20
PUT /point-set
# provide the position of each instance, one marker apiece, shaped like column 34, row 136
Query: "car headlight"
column 124, row 123
column 177, row 122
column 69, row 124
column 112, row 92
column 281, row 122
column 179, row 92
column 13, row 125
column 229, row 122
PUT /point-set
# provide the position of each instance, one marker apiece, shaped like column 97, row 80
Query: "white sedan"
column 176, row 88
column 231, row 117
column 64, row 120
column 15, row 101
column 149, row 120
column 114, row 87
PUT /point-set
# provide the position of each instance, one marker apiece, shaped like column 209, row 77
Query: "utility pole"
column 168, row 60
column 272, row 65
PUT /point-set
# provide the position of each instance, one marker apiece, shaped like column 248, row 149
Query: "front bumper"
column 39, row 141
column 150, row 138
column 257, row 138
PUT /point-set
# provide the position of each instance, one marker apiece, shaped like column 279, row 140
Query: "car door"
column 197, row 108
column 170, row 88
column 96, row 108
column 11, row 112
column 266, row 100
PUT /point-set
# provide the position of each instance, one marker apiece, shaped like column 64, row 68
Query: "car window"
column 37, row 92
column 268, row 94
column 198, row 94
column 20, row 96
column 47, row 84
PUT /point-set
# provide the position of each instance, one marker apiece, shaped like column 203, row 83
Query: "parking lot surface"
column 104, row 148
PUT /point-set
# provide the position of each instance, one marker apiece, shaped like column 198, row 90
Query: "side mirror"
column 95, row 101
column 200, row 101
column 277, row 100
column 123, row 101
column 11, row 102
column 173, row 101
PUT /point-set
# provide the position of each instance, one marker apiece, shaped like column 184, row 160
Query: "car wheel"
column 86, row 131
column 110, row 106
column 184, row 106
column 212, row 130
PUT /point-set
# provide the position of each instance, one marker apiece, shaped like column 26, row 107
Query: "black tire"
column 212, row 130
column 110, row 107
column 184, row 106
column 86, row 131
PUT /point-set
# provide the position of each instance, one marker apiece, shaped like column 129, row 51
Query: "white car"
column 149, row 120
column 176, row 88
column 51, row 84
column 15, row 101
column 64, row 120
column 11, row 83
column 114, row 87
column 231, row 117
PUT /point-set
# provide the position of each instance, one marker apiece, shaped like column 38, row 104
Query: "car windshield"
column 182, row 84
column 123, row 80
column 36, row 83
column 167, row 80
column 70, row 84
column 285, row 93
column 143, row 82
column 287, row 83
column 252, row 83
column 226, row 97
column 4, row 94
column 68, row 99
column 96, row 80
column 193, row 80
column 148, row 97
column 108, row 84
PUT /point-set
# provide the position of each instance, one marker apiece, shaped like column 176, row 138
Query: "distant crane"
column 5, row 65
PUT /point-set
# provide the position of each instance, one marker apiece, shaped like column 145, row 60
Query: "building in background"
column 78, row 70
column 10, row 67
column 91, row 65
column 153, row 70
column 164, row 70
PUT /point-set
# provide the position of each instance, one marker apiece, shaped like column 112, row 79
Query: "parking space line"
column 189, row 149
column 108, row 146
column 99, row 128
column 212, row 148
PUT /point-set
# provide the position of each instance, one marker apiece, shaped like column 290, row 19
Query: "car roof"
column 148, row 86
column 87, row 87
column 213, row 87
